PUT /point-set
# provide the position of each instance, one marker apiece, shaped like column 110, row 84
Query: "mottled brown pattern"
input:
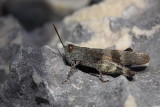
column 119, row 57
column 94, row 54
column 103, row 60
column 116, row 56
column 107, row 58
column 134, row 58
column 125, row 57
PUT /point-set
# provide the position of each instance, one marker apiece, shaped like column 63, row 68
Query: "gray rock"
column 40, row 36
column 117, row 23
column 36, row 74
column 148, row 80
column 10, row 31
column 36, row 77
column 7, row 53
column 11, row 38
column 79, row 34
column 22, row 90
column 146, row 20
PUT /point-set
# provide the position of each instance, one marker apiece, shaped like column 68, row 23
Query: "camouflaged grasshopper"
column 109, row 62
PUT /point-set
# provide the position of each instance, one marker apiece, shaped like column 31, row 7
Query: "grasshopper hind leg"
column 100, row 76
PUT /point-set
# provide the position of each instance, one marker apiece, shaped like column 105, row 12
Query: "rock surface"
column 36, row 74
column 11, row 38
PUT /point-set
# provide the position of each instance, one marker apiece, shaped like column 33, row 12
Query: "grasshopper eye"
column 70, row 48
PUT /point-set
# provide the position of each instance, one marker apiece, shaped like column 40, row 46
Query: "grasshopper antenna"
column 58, row 35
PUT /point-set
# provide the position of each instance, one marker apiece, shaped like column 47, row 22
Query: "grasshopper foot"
column 101, row 78
column 104, row 81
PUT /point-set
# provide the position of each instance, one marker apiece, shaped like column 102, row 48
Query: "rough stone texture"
column 148, row 81
column 20, row 84
column 36, row 74
column 79, row 34
column 13, row 35
column 101, row 27
column 146, row 20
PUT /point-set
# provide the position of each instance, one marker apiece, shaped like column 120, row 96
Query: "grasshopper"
column 108, row 62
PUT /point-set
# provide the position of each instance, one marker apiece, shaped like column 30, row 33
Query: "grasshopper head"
column 73, row 53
